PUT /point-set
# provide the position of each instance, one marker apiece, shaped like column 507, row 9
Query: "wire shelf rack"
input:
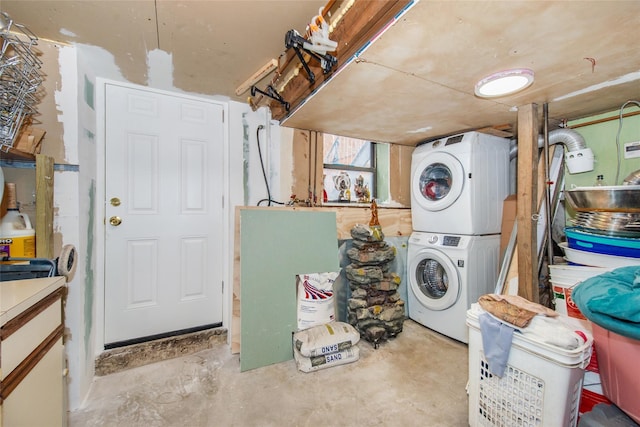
column 20, row 79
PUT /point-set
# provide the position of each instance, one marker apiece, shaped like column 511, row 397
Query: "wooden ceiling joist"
column 352, row 32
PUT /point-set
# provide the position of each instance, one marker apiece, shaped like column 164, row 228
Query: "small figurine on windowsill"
column 361, row 190
column 342, row 183
column 374, row 224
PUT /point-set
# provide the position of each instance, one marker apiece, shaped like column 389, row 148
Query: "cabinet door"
column 17, row 347
column 38, row 399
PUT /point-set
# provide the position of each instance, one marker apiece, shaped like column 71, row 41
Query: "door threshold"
column 157, row 348
column 155, row 337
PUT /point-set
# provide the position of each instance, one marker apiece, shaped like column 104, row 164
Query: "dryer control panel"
column 450, row 241
column 454, row 140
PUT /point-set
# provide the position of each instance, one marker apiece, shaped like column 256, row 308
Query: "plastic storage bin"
column 597, row 243
column 541, row 385
column 593, row 259
column 27, row 268
column 618, row 364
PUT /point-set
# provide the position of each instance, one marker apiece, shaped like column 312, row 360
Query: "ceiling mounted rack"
column 293, row 40
column 270, row 93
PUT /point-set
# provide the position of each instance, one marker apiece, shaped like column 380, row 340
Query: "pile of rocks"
column 375, row 307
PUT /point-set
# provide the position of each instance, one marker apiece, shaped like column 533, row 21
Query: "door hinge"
column 223, row 286
column 222, row 116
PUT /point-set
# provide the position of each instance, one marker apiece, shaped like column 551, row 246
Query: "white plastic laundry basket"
column 541, row 385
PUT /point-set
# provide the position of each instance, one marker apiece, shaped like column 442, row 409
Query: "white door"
column 164, row 213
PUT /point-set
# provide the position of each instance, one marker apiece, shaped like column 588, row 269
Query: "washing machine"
column 458, row 184
column 447, row 273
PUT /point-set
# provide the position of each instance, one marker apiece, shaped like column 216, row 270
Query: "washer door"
column 438, row 181
column 434, row 279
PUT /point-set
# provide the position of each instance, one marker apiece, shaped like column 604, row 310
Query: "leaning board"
column 276, row 245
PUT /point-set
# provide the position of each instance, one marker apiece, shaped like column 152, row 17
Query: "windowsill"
column 361, row 205
column 347, row 204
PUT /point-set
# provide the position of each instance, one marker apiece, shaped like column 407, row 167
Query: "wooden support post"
column 527, row 203
column 44, row 206
column 303, row 163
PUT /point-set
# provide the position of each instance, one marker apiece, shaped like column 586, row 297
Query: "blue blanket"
column 612, row 300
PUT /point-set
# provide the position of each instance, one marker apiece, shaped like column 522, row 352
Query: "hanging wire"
column 155, row 7
column 269, row 200
column 618, row 137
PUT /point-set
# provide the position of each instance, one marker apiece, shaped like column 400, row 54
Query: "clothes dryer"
column 458, row 184
column 447, row 273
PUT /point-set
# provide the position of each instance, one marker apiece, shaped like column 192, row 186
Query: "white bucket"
column 575, row 273
column 564, row 304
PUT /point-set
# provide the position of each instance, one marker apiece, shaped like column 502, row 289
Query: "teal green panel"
column 275, row 246
column 88, row 92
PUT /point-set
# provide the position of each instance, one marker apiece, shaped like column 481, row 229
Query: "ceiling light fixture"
column 504, row 83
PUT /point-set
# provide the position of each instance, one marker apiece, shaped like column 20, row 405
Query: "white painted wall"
column 69, row 219
column 79, row 195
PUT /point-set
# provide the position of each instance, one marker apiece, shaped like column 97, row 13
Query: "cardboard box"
column 29, row 140
column 508, row 219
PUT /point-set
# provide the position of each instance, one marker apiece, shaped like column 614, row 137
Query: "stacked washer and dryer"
column 458, row 185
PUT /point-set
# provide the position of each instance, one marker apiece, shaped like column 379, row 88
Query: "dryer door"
column 434, row 279
column 438, row 181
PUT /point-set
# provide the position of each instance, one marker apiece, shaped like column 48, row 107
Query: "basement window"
column 349, row 170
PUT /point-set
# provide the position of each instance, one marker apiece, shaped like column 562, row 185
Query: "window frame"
column 371, row 169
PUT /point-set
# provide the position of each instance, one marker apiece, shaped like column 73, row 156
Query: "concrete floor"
column 418, row 378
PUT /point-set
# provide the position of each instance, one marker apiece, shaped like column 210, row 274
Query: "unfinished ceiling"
column 414, row 82
column 215, row 45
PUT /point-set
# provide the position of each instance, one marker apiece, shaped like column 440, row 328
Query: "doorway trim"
column 100, row 208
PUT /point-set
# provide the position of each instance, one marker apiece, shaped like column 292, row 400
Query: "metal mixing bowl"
column 614, row 198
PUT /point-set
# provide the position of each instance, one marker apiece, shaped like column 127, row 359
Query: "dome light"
column 504, row 83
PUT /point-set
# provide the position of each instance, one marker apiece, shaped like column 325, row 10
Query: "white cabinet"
column 32, row 388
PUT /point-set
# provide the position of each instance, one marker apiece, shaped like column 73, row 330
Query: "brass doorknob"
column 115, row 221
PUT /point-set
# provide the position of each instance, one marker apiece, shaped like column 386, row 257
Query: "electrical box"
column 632, row 150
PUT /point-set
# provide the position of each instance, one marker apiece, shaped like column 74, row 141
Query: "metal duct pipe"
column 568, row 137
column 632, row 179
column 579, row 157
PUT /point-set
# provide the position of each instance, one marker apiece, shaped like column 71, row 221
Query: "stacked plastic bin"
column 609, row 301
